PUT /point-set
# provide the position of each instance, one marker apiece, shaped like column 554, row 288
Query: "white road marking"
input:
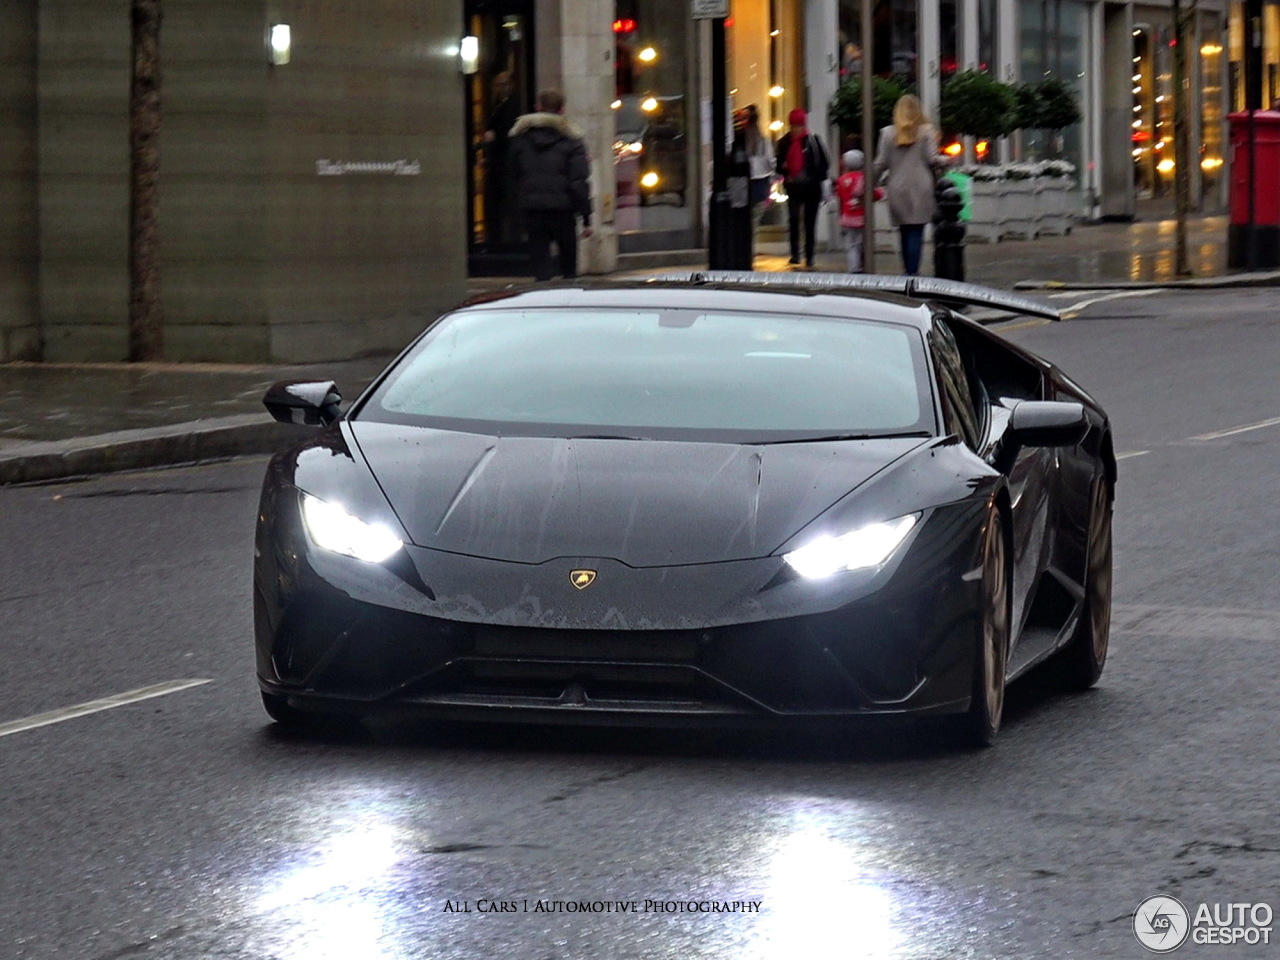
column 97, row 706
column 1075, row 308
column 1234, row 430
column 1135, row 453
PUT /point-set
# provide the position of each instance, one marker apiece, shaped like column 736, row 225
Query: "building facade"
column 652, row 158
column 309, row 210
column 329, row 206
column 1118, row 59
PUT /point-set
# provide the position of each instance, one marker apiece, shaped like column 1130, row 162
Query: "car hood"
column 643, row 503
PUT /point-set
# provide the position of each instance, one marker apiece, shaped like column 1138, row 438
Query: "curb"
column 180, row 443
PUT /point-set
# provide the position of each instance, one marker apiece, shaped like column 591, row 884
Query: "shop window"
column 894, row 46
column 1211, row 120
column 652, row 115
column 1152, row 124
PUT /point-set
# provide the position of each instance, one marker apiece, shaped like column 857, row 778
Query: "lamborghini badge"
column 582, row 578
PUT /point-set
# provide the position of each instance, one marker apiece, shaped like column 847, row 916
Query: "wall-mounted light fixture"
column 469, row 55
column 280, row 42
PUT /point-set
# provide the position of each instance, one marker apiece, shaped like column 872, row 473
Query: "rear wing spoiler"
column 921, row 288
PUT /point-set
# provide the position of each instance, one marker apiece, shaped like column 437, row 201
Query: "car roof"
column 671, row 295
column 890, row 299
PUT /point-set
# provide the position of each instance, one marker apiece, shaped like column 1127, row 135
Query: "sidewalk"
column 66, row 420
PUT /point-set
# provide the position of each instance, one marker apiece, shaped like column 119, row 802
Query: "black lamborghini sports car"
column 715, row 497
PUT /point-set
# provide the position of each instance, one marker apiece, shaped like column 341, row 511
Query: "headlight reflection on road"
column 335, row 905
column 348, row 861
column 823, row 898
column 337, row 931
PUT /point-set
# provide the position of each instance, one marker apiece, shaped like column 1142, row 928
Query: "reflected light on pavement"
column 346, row 862
column 823, row 898
column 341, row 931
column 332, row 904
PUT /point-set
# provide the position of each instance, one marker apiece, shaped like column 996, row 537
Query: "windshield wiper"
column 831, row 437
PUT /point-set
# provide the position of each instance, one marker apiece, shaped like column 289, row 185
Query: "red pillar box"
column 1254, row 235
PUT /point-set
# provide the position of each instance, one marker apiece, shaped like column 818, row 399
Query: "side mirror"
column 1048, row 423
column 313, row 402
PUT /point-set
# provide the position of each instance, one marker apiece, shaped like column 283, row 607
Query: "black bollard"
column 948, row 233
column 732, row 242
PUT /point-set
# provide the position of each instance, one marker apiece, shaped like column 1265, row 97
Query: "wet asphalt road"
column 186, row 827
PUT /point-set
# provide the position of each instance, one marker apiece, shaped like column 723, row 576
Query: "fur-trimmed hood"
column 551, row 122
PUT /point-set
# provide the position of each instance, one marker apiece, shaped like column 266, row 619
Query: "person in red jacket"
column 850, row 188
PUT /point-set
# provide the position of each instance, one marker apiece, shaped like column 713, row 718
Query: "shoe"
column 808, row 264
column 794, row 261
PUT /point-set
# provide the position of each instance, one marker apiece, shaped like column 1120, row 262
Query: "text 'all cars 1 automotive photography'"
column 715, row 498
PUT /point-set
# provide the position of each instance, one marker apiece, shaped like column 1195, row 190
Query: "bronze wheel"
column 1085, row 654
column 986, row 708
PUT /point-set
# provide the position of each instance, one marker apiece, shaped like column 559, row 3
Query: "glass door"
column 496, row 95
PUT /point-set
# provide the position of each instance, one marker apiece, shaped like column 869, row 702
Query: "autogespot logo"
column 1161, row 924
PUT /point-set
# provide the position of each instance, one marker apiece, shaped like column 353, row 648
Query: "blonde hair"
column 908, row 117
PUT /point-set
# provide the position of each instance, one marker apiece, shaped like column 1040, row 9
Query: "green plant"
column 846, row 107
column 1059, row 108
column 976, row 104
column 1027, row 106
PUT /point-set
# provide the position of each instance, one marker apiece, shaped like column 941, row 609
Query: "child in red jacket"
column 850, row 187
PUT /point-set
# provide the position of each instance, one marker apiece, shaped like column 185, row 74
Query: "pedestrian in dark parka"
column 549, row 162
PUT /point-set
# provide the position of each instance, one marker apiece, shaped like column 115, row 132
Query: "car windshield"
column 660, row 374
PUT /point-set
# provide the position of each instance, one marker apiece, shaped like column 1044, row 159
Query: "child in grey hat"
column 850, row 189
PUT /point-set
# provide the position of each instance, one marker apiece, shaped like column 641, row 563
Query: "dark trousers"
column 552, row 226
column 803, row 202
column 912, row 244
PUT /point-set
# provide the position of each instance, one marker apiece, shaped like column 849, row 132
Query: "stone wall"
column 19, row 323
column 267, row 253
column 584, row 50
column 83, row 180
column 360, row 261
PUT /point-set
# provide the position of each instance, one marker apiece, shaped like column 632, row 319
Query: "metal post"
column 1181, row 151
column 868, row 141
column 1253, row 103
column 717, row 253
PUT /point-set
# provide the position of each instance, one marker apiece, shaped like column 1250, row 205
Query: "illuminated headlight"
column 865, row 547
column 334, row 529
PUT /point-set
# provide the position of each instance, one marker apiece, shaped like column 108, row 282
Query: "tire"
column 981, row 723
column 1081, row 661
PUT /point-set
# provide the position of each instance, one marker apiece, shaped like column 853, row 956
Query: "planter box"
column 1022, row 208
column 986, row 205
column 1057, row 196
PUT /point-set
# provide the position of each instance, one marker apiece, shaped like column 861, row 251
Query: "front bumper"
column 458, row 636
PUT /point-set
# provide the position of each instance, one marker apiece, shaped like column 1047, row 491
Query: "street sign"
column 710, row 9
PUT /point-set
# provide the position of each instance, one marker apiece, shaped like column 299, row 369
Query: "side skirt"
column 1055, row 611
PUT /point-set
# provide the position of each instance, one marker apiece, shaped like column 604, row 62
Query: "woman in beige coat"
column 908, row 150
